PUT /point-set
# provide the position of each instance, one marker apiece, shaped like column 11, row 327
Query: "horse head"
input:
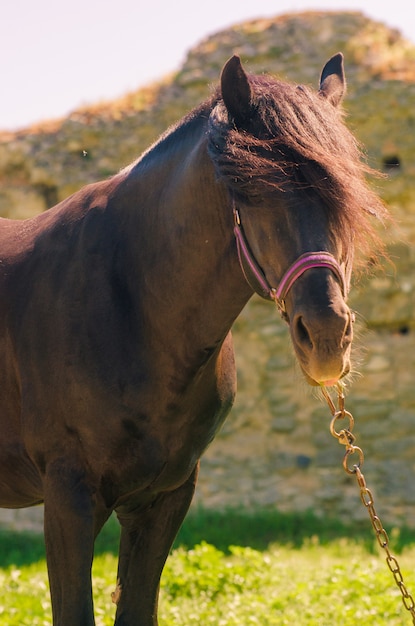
column 297, row 186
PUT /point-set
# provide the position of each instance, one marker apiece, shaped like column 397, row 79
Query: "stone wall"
column 275, row 449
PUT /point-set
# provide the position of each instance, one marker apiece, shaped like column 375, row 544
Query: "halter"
column 257, row 280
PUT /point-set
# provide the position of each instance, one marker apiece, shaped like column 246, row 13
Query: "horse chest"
column 158, row 449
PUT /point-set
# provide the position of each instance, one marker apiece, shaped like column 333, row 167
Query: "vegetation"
column 234, row 569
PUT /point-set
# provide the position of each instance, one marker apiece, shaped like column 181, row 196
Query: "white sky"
column 56, row 56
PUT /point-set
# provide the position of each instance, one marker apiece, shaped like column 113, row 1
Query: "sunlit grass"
column 340, row 583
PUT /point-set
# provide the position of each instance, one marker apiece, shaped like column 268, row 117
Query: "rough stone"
column 275, row 449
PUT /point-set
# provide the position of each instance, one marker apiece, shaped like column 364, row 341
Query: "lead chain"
column 346, row 438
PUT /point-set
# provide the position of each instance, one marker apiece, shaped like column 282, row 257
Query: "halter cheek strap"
column 254, row 275
column 257, row 280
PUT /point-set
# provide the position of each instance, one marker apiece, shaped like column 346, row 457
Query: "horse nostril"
column 348, row 331
column 302, row 334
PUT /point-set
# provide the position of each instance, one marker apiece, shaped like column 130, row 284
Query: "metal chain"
column 346, row 438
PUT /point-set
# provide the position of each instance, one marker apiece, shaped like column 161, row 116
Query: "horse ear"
column 236, row 91
column 333, row 80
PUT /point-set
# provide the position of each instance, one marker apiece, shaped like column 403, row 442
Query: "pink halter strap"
column 257, row 280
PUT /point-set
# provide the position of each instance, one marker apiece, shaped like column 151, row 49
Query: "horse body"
column 102, row 393
column 102, row 344
column 116, row 359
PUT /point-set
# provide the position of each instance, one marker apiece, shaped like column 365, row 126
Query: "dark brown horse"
column 116, row 362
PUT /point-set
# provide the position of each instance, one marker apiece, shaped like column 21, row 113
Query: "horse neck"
column 185, row 250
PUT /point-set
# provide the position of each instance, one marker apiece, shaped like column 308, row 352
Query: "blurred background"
column 88, row 86
column 55, row 57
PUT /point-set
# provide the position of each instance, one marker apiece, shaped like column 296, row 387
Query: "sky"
column 55, row 56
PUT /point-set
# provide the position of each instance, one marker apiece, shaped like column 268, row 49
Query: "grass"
column 235, row 569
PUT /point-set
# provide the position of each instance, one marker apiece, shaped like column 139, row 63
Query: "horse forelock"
column 297, row 140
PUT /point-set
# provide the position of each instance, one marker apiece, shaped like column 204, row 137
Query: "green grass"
column 236, row 569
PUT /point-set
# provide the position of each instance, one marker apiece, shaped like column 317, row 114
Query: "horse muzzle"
column 322, row 341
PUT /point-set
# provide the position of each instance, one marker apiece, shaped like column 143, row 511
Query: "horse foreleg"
column 146, row 539
column 71, row 524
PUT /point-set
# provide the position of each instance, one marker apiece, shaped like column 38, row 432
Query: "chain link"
column 345, row 437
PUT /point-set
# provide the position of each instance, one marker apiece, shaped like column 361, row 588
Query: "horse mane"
column 297, row 141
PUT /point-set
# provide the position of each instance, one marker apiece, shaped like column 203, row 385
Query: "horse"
column 116, row 359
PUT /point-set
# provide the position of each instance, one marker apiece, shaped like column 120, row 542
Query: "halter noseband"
column 257, row 280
